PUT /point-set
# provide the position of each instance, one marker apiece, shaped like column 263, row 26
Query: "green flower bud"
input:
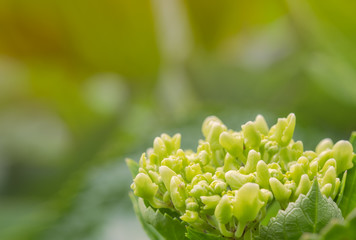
column 261, row 125
column 275, row 171
column 313, row 167
column 210, row 201
column 327, row 189
column 159, row 148
column 203, row 157
column 280, row 192
column 192, row 170
column 324, row 144
column 283, row 131
column 252, row 136
column 218, row 186
column 143, row 161
column 178, row 192
column 212, row 128
column 324, row 156
column 223, row 211
column 235, row 179
column 262, row 174
column 173, row 162
column 144, row 187
column 223, row 214
column 252, row 159
column 297, row 149
column 200, row 189
column 303, row 187
column 343, row 154
column 166, row 175
column 172, row 143
column 230, row 163
column 247, row 205
column 329, row 163
column 304, row 162
column 190, row 216
column 336, row 188
column 191, row 204
column 329, row 177
column 232, row 142
column 310, row 155
column 296, row 171
column 266, row 196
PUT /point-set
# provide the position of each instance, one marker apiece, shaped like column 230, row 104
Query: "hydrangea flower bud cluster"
column 226, row 186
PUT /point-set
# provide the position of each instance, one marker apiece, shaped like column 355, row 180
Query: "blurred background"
column 85, row 84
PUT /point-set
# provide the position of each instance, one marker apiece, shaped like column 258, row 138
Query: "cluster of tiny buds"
column 226, row 186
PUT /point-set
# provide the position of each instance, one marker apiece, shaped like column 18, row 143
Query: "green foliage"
column 309, row 213
column 336, row 230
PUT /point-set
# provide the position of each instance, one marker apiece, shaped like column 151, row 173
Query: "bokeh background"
column 85, row 84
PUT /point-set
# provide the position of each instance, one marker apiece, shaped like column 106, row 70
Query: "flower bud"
column 296, row 171
column 304, row 161
column 327, row 189
column 329, row 177
column 343, row 154
column 190, row 216
column 218, row 186
column 303, row 187
column 192, row 170
column 252, row 136
column 261, row 125
column 266, row 196
column 223, row 211
column 191, row 204
column 172, row 143
column 235, row 179
column 323, row 157
column 329, row 163
column 324, row 144
column 144, row 187
column 252, row 158
column 230, row 163
column 336, row 188
column 212, row 128
column 210, row 201
column 280, row 192
column 313, row 167
column 166, row 175
column 174, row 163
column 200, row 189
column 178, row 192
column 247, row 203
column 262, row 174
column 232, row 142
column 283, row 131
column 159, row 148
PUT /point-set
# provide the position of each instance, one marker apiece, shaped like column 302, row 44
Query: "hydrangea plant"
column 225, row 188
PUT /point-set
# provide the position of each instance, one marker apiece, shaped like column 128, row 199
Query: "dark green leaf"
column 193, row 234
column 149, row 229
column 336, row 230
column 348, row 201
column 309, row 213
column 167, row 227
column 342, row 186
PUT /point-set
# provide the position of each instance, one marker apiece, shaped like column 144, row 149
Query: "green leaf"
column 341, row 193
column 193, row 234
column 133, row 167
column 310, row 213
column 164, row 225
column 336, row 230
column 348, row 201
column 149, row 229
